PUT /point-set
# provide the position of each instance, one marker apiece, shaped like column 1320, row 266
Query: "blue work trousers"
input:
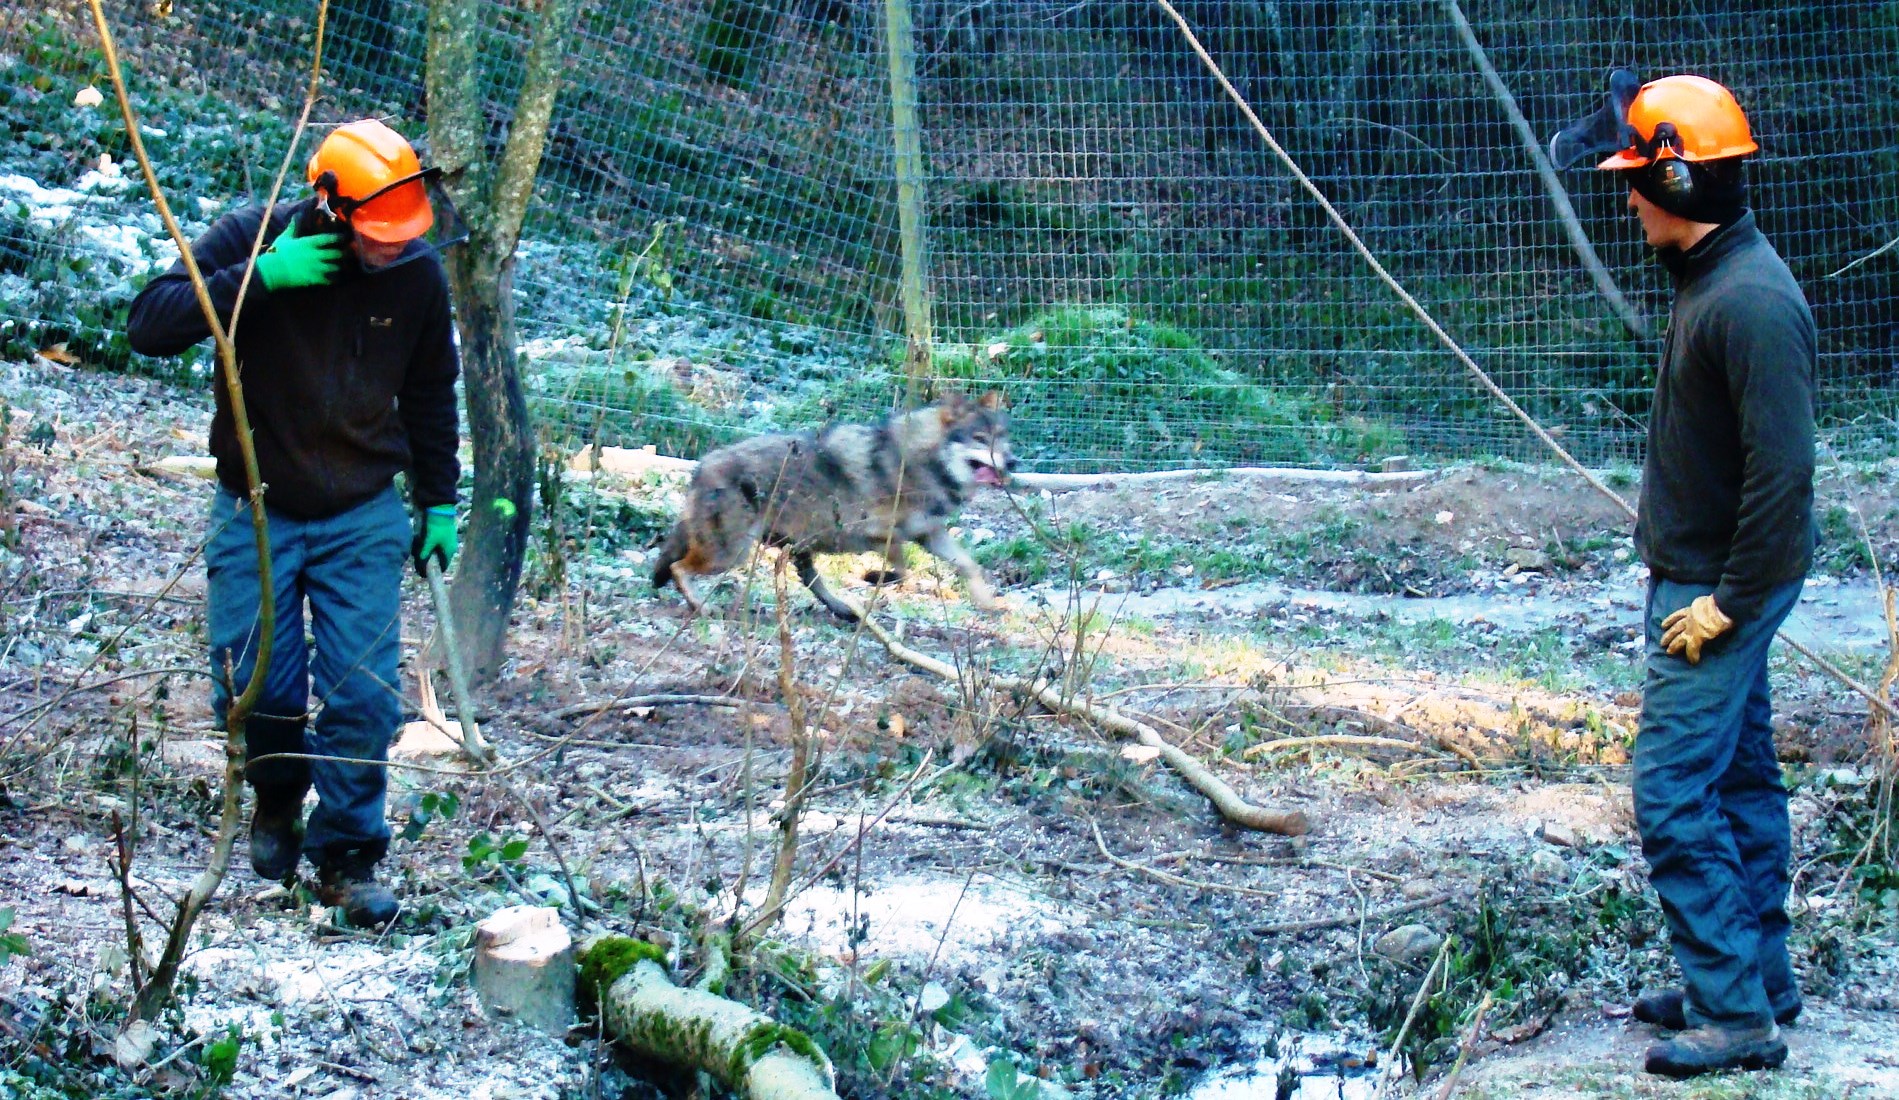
column 1713, row 813
column 336, row 698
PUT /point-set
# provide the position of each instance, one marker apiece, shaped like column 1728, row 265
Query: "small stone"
column 933, row 997
column 1559, row 834
column 1547, row 866
column 964, row 1056
column 1527, row 558
column 1408, row 944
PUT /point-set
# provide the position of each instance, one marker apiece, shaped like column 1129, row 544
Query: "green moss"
column 607, row 960
column 767, row 1036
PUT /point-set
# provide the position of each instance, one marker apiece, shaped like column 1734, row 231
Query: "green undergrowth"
column 1099, row 387
column 1527, row 944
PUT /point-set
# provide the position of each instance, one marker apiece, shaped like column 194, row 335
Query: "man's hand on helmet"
column 297, row 260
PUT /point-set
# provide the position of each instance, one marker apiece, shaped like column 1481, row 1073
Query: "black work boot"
column 1668, row 1009
column 1711, row 1049
column 346, row 880
column 276, row 830
column 279, row 783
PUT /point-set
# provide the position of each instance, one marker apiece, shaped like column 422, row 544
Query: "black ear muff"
column 1673, row 178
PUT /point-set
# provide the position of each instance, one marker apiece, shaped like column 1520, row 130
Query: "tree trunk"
column 496, row 536
column 749, row 1053
column 492, row 196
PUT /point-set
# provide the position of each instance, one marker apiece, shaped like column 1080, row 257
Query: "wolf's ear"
column 951, row 407
column 994, row 401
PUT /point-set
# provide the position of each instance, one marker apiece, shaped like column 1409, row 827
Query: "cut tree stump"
column 524, row 967
column 747, row 1051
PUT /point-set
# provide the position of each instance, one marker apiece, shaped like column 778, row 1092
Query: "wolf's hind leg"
column 682, row 581
column 894, row 570
column 808, row 573
column 670, row 552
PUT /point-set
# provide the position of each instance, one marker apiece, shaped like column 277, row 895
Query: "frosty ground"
column 1033, row 891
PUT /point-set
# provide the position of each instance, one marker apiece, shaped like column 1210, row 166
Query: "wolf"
column 843, row 489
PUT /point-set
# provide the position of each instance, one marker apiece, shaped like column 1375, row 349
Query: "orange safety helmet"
column 371, row 179
column 1690, row 117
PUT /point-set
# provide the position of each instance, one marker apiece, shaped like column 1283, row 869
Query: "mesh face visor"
column 1607, row 131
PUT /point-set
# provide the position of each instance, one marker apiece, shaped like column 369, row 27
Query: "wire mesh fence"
column 716, row 245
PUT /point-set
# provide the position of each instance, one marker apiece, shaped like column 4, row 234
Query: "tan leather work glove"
column 1693, row 627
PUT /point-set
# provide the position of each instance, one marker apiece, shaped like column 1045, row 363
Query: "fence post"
column 907, row 144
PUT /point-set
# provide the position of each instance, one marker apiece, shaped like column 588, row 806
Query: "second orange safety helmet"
column 1690, row 117
column 374, row 180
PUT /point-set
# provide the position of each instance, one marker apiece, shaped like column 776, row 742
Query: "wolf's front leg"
column 939, row 542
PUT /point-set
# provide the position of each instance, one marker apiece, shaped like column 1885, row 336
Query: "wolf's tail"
column 670, row 552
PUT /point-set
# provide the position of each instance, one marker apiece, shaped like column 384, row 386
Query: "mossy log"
column 749, row 1052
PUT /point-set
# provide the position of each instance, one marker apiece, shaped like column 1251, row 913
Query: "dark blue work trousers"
column 1713, row 813
column 348, row 568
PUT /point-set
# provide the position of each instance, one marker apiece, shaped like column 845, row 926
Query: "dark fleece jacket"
column 346, row 384
column 1727, row 489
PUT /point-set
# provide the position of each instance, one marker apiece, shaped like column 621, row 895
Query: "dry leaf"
column 58, row 354
column 133, row 1048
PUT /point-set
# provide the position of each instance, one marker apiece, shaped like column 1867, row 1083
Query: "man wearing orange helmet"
column 1726, row 527
column 349, row 366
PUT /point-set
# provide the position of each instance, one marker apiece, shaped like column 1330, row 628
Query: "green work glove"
column 434, row 538
column 294, row 261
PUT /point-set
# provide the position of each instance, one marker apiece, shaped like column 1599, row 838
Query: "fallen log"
column 747, row 1051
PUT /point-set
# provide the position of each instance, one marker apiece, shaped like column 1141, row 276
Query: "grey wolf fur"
column 844, row 489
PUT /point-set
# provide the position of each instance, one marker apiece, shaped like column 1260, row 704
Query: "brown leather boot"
column 1712, row 1049
column 1668, row 1009
column 347, row 881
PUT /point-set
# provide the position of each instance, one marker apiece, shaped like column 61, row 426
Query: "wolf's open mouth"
column 985, row 473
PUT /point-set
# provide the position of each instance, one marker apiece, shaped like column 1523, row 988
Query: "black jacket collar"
column 1688, row 266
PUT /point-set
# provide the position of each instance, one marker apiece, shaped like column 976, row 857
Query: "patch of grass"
column 629, row 405
column 1335, row 552
column 1842, row 548
column 1100, row 388
column 1550, row 657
